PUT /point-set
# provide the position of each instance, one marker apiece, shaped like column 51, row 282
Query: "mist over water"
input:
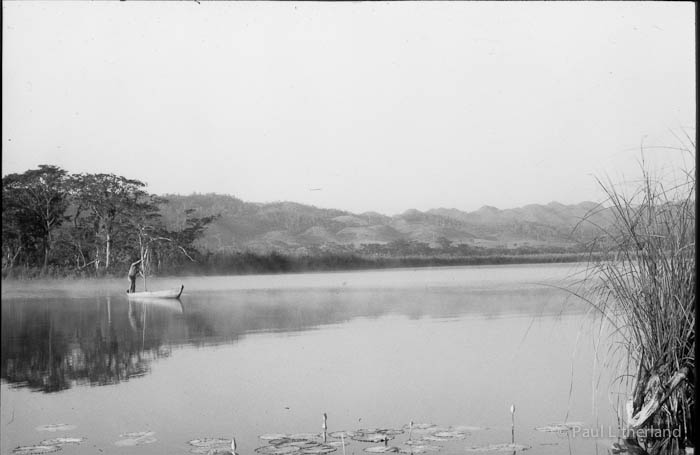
column 247, row 355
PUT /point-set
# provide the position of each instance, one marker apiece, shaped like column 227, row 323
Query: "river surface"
column 245, row 356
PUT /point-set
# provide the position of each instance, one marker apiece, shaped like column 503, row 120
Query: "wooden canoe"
column 166, row 294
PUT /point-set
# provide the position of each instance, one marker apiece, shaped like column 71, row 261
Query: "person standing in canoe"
column 134, row 270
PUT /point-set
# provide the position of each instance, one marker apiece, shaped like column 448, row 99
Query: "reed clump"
column 647, row 294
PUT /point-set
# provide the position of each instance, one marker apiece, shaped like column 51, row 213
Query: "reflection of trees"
column 53, row 345
column 50, row 345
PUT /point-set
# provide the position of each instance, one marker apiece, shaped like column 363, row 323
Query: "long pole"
column 512, row 424
column 143, row 267
column 143, row 263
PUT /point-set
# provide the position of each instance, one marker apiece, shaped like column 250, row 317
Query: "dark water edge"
column 275, row 263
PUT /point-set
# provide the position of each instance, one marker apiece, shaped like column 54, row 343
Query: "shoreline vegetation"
column 647, row 297
column 249, row 263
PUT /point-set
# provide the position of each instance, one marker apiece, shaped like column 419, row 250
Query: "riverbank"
column 274, row 263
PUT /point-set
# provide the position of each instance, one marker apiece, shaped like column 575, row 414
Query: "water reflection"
column 52, row 344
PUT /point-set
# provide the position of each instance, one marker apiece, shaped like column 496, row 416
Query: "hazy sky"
column 358, row 106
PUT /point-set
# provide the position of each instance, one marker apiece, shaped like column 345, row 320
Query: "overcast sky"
column 357, row 106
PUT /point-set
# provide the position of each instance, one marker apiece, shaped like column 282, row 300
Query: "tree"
column 109, row 201
column 36, row 201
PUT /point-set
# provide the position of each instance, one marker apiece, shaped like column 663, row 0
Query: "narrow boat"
column 167, row 294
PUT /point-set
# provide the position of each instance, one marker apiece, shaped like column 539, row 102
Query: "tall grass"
column 647, row 293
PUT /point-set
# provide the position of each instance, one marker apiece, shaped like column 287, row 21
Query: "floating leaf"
column 343, row 434
column 305, row 444
column 269, row 436
column 209, row 442
column 137, row 434
column 338, row 443
column 305, row 436
column 40, row 448
column 420, row 448
column 499, row 448
column 415, row 442
column 381, row 449
column 61, row 441
column 283, row 441
column 372, row 437
column 56, row 427
column 319, row 449
column 220, row 450
column 446, row 435
column 137, row 438
column 201, row 450
column 389, row 431
column 420, row 426
column 130, row 442
column 277, row 450
column 560, row 427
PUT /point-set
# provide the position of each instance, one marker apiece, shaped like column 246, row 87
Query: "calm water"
column 247, row 355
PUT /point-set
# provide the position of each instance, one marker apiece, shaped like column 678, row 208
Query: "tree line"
column 57, row 224
column 93, row 224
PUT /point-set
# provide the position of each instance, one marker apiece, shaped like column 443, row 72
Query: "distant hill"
column 291, row 227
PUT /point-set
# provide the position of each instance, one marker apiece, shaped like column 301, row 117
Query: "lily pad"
column 419, row 442
column 451, row 434
column 305, row 436
column 419, row 426
column 319, row 449
column 269, row 436
column 338, row 443
column 137, row 434
column 209, row 442
column 343, row 434
column 420, row 448
column 382, row 449
column 283, row 441
column 499, row 448
column 277, row 450
column 389, row 431
column 305, row 444
column 40, row 448
column 61, row 441
column 444, row 436
column 130, row 442
column 55, row 427
column 560, row 427
column 137, row 438
column 220, row 451
column 372, row 437
column 204, row 450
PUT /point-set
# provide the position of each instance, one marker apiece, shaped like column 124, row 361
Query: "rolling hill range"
column 289, row 227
